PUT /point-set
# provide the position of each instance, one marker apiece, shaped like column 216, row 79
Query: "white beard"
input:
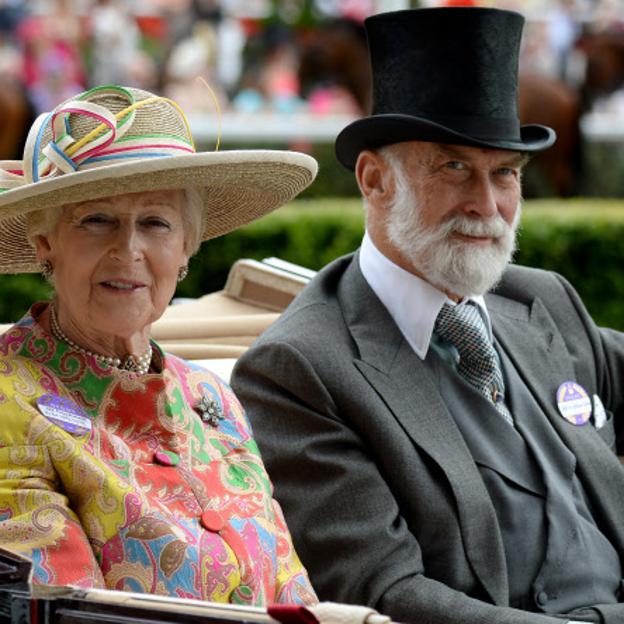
column 450, row 264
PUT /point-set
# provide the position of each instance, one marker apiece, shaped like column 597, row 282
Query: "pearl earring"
column 47, row 270
column 182, row 272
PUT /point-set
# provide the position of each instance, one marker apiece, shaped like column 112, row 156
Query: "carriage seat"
column 218, row 327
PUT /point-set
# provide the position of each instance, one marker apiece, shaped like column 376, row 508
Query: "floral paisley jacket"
column 151, row 498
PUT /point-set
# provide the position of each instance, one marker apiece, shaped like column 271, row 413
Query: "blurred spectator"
column 207, row 10
column 269, row 55
column 11, row 69
column 334, row 68
column 51, row 45
column 190, row 59
column 11, row 14
column 142, row 72
column 114, row 42
column 271, row 79
column 608, row 16
column 459, row 3
column 356, row 9
column 231, row 42
column 563, row 31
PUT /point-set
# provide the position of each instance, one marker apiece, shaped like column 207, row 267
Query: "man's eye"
column 455, row 164
column 506, row 171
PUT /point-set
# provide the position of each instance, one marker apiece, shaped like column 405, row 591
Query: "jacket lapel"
column 534, row 345
column 405, row 384
column 537, row 349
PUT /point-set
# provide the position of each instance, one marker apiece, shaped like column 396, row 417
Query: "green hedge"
column 584, row 241
column 581, row 239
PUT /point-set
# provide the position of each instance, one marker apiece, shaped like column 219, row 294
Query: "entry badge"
column 574, row 403
column 64, row 413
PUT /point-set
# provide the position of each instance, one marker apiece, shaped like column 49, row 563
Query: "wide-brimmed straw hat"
column 446, row 75
column 113, row 140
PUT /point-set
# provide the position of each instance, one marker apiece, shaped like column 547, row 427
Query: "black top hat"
column 447, row 75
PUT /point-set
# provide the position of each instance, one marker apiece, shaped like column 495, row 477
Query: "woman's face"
column 116, row 261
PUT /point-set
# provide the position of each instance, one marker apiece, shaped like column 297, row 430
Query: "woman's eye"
column 156, row 222
column 95, row 219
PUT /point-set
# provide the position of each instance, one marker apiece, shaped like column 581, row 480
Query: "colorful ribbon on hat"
column 105, row 144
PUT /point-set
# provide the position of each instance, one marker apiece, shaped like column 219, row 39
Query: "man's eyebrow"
column 449, row 150
column 516, row 159
column 519, row 159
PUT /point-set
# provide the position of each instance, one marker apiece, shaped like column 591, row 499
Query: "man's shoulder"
column 315, row 316
column 526, row 283
column 527, row 286
column 320, row 296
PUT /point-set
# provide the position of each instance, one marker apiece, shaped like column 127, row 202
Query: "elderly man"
column 441, row 426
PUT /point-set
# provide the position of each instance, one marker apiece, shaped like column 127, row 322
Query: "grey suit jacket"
column 385, row 503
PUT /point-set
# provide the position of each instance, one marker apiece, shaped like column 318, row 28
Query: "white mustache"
column 496, row 227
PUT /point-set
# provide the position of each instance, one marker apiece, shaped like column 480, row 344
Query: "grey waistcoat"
column 557, row 558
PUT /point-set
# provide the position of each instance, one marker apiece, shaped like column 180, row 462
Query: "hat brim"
column 238, row 187
column 379, row 130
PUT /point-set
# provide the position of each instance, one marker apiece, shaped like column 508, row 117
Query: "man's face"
column 454, row 214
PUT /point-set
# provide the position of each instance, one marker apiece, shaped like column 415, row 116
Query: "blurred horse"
column 337, row 53
column 16, row 116
column 604, row 53
column 552, row 102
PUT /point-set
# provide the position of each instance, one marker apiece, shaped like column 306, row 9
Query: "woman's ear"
column 373, row 177
column 42, row 247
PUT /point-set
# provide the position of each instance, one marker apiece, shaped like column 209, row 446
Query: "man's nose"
column 482, row 200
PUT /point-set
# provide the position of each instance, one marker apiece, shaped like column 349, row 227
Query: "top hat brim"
column 378, row 130
column 237, row 187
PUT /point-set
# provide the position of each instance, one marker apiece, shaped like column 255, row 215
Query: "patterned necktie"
column 463, row 326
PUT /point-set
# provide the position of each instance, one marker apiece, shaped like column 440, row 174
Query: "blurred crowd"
column 245, row 49
column 283, row 56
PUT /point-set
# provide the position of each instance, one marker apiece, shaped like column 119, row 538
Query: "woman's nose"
column 126, row 244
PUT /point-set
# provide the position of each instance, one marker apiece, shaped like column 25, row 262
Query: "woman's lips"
column 122, row 285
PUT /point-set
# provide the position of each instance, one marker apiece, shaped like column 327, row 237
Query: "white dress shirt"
column 412, row 302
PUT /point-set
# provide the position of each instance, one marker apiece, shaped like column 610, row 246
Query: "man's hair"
column 388, row 153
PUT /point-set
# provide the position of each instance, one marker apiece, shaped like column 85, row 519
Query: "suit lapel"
column 534, row 345
column 537, row 349
column 405, row 385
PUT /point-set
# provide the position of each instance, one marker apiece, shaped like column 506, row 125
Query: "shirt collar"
column 412, row 302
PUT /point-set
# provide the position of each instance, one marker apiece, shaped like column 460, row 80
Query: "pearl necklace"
column 134, row 364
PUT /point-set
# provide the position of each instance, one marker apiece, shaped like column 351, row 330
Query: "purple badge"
column 574, row 403
column 64, row 413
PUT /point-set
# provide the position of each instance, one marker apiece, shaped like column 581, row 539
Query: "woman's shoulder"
column 24, row 383
column 181, row 366
column 199, row 379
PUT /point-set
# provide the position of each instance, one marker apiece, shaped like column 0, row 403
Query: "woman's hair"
column 194, row 219
column 43, row 222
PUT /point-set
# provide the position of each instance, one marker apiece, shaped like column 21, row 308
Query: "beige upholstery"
column 206, row 335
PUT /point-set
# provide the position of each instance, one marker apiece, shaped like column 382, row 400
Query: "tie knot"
column 462, row 325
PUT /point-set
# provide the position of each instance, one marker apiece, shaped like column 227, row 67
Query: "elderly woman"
column 122, row 466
